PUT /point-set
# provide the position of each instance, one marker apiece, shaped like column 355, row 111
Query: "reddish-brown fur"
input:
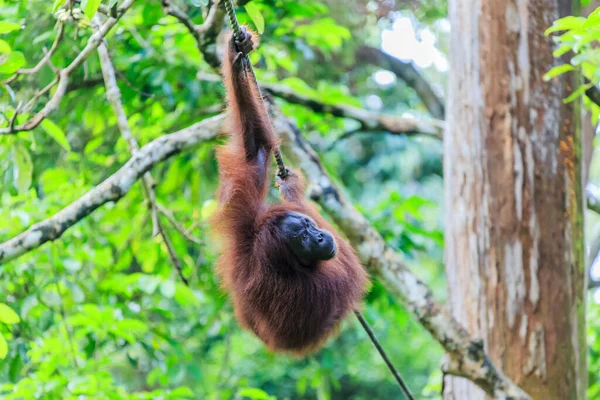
column 291, row 308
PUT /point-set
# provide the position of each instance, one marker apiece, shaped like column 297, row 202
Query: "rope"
column 384, row 355
column 235, row 26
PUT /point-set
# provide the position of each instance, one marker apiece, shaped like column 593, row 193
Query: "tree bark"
column 512, row 169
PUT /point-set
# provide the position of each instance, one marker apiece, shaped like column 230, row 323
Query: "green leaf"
column 90, row 7
column 564, row 49
column 3, row 347
column 13, row 62
column 6, row 27
column 4, row 47
column 7, row 315
column 256, row 16
column 185, row 296
column 133, row 326
column 324, row 33
column 301, row 385
column 254, row 394
column 57, row 4
column 565, row 24
column 22, row 168
column 559, row 69
column 592, row 21
column 129, row 329
column 576, row 94
column 182, row 391
column 56, row 133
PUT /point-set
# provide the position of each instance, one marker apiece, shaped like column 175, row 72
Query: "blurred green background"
column 101, row 312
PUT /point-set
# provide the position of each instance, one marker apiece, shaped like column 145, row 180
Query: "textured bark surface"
column 514, row 238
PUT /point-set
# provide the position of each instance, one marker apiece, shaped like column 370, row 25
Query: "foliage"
column 578, row 44
column 578, row 41
column 100, row 311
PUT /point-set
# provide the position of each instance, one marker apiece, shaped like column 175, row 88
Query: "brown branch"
column 39, row 94
column 369, row 121
column 171, row 218
column 213, row 17
column 113, row 94
column 112, row 189
column 174, row 11
column 408, row 73
column 44, row 60
column 466, row 356
column 63, row 76
column 206, row 34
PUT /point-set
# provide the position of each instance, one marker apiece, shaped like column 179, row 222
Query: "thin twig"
column 113, row 94
column 178, row 227
column 468, row 358
column 50, row 63
column 369, row 121
column 44, row 60
column 408, row 73
column 39, row 94
column 18, row 109
column 205, row 34
column 63, row 77
column 113, row 188
column 173, row 255
column 210, row 20
column 63, row 313
column 174, row 11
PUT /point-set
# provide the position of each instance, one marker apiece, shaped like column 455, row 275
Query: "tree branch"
column 206, row 34
column 171, row 218
column 369, row 121
column 112, row 189
column 63, row 76
column 408, row 73
column 113, row 94
column 44, row 60
column 466, row 357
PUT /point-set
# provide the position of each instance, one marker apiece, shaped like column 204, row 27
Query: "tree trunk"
column 513, row 195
